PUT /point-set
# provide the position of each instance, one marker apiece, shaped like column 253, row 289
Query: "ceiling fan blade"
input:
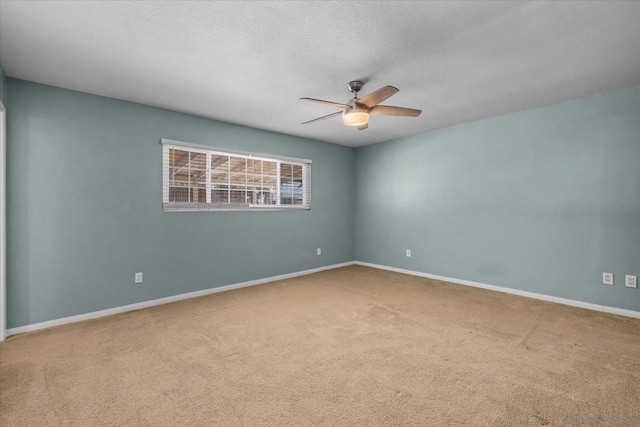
column 329, row 103
column 363, row 127
column 388, row 110
column 328, row 116
column 376, row 97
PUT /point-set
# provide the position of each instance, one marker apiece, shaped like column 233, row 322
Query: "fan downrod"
column 355, row 86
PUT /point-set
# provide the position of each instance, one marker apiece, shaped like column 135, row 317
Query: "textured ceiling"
column 249, row 62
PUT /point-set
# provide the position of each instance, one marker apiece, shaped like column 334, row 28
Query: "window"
column 197, row 177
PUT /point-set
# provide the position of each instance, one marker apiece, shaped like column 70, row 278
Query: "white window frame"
column 168, row 144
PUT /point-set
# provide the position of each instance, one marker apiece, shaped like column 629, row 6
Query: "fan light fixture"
column 355, row 117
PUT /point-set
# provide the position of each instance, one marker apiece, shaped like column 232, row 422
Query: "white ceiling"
column 249, row 62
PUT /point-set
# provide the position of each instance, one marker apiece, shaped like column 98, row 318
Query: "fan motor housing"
column 355, row 86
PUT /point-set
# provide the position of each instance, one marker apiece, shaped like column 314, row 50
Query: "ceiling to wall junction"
column 250, row 62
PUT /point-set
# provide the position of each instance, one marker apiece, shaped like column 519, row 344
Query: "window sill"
column 201, row 208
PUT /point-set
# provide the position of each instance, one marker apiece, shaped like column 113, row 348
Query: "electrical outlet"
column 607, row 278
column 631, row 281
column 408, row 253
column 138, row 277
column 319, row 251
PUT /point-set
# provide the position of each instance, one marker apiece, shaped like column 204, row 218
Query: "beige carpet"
column 347, row 347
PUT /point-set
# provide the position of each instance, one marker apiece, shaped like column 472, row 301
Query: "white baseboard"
column 180, row 297
column 543, row 297
column 160, row 301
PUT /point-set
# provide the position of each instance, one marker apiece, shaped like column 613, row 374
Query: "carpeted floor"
column 346, row 347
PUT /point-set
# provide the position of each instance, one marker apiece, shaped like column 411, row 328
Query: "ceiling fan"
column 356, row 111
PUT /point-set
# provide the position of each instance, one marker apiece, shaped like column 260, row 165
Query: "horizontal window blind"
column 198, row 177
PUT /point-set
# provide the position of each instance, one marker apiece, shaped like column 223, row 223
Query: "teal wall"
column 543, row 200
column 85, row 207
